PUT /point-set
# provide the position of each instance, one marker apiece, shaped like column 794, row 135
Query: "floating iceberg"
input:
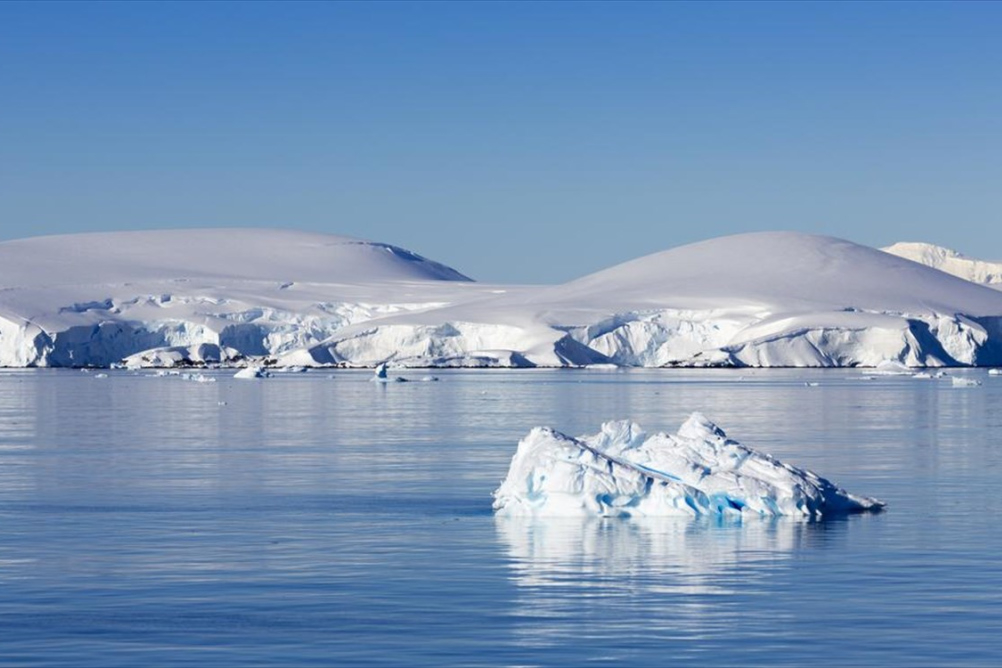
column 197, row 377
column 251, row 373
column 622, row 471
column 379, row 376
column 892, row 368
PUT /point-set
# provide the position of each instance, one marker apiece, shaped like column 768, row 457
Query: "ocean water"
column 318, row 519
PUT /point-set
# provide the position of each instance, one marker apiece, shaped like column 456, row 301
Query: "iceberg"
column 379, row 376
column 624, row 472
column 197, row 377
column 251, row 373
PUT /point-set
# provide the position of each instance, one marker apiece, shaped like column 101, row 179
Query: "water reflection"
column 671, row 577
column 318, row 520
column 17, row 425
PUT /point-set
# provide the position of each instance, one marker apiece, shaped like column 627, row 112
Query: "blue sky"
column 518, row 142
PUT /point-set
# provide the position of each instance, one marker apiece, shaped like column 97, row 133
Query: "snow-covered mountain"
column 950, row 261
column 215, row 294
column 766, row 299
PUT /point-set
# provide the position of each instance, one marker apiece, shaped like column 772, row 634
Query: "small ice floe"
column 995, row 372
column 101, row 375
column 892, row 368
column 429, row 379
column 380, row 376
column 251, row 372
column 291, row 369
column 197, row 378
column 623, row 471
column 811, row 384
column 965, row 382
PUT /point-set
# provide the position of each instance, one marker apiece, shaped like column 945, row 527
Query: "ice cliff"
column 622, row 471
column 166, row 298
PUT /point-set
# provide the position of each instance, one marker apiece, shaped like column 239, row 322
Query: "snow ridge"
column 950, row 261
column 194, row 297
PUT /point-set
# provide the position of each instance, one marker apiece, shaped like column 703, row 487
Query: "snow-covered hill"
column 767, row 299
column 215, row 294
column 232, row 254
column 950, row 261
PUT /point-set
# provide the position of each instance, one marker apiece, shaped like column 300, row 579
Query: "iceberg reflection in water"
column 655, row 579
column 307, row 521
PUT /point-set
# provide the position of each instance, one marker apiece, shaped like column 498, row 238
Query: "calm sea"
column 320, row 519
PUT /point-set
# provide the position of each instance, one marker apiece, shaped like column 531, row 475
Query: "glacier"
column 280, row 298
column 624, row 472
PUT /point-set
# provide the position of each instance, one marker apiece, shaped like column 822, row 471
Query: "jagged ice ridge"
column 622, row 471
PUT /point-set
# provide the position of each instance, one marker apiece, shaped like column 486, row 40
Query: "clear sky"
column 517, row 142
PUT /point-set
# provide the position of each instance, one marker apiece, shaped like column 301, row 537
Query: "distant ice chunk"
column 623, row 471
column 965, row 382
column 892, row 368
column 197, row 378
column 251, row 372
column 995, row 372
column 379, row 376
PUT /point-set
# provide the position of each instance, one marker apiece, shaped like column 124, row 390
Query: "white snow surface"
column 168, row 297
column 950, row 261
column 225, row 296
column 623, row 471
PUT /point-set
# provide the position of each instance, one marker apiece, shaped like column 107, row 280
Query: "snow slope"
column 950, row 261
column 291, row 298
column 251, row 254
column 166, row 296
column 764, row 299
column 622, row 471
